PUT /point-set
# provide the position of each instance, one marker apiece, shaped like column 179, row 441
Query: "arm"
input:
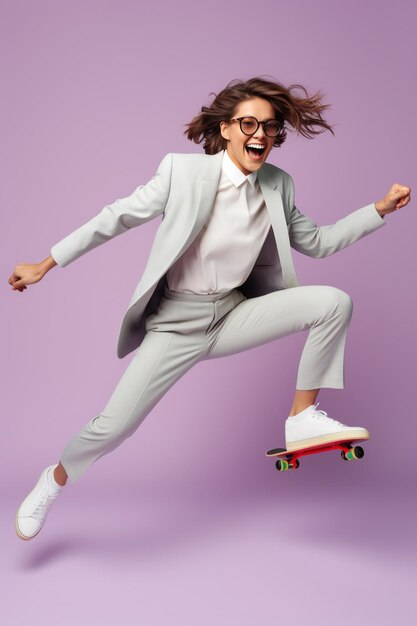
column 144, row 204
column 320, row 241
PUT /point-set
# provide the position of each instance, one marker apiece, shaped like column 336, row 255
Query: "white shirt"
column 223, row 254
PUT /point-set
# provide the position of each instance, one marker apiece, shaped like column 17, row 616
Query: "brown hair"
column 302, row 113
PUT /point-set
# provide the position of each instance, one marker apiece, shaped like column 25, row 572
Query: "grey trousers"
column 187, row 328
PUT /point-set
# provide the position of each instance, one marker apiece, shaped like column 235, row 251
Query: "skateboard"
column 289, row 460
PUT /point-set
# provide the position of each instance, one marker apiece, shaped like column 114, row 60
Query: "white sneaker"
column 312, row 427
column 32, row 513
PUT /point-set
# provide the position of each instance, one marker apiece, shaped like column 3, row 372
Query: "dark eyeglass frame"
column 258, row 123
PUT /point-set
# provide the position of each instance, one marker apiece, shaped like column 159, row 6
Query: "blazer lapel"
column 273, row 201
column 208, row 185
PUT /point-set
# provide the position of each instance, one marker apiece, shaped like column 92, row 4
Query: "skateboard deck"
column 290, row 458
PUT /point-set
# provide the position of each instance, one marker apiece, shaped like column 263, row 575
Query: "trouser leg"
column 324, row 311
column 161, row 359
column 184, row 331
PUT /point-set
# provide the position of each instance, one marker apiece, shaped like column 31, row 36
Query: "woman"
column 219, row 278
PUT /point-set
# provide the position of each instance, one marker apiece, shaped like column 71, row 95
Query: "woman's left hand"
column 397, row 197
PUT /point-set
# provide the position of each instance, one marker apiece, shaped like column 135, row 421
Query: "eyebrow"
column 268, row 119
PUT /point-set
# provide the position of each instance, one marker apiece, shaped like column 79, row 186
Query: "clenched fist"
column 397, row 197
column 30, row 273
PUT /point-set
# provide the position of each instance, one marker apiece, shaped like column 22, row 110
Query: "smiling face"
column 238, row 144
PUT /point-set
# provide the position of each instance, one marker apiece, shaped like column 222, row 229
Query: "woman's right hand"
column 30, row 273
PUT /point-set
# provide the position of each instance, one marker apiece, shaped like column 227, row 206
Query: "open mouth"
column 255, row 150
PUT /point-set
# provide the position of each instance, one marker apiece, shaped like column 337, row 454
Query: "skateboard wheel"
column 353, row 453
column 296, row 464
column 343, row 455
column 281, row 465
column 357, row 452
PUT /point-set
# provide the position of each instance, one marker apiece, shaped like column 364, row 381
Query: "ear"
column 224, row 130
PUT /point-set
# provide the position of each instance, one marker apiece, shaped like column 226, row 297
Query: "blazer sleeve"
column 145, row 203
column 320, row 241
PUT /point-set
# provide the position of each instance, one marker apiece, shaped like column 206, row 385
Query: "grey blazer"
column 183, row 192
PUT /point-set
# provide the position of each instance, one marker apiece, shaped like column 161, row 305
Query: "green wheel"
column 353, row 453
column 281, row 465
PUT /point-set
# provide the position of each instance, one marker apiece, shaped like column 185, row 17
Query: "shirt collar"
column 235, row 174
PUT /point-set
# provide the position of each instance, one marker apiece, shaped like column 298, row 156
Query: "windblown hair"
column 301, row 113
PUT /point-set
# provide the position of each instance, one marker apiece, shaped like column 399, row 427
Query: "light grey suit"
column 183, row 192
column 174, row 331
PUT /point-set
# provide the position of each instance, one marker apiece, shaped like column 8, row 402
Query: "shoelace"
column 322, row 416
column 45, row 500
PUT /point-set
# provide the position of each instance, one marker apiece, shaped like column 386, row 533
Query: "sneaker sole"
column 351, row 435
column 19, row 534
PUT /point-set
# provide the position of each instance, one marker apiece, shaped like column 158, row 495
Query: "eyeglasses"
column 249, row 126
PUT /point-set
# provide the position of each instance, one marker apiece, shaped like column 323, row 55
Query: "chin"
column 253, row 167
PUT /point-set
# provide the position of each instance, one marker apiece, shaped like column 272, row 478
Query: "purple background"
column 187, row 522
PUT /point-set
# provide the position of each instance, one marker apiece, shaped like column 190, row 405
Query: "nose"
column 260, row 133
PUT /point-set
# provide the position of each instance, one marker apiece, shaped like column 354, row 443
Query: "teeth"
column 257, row 146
